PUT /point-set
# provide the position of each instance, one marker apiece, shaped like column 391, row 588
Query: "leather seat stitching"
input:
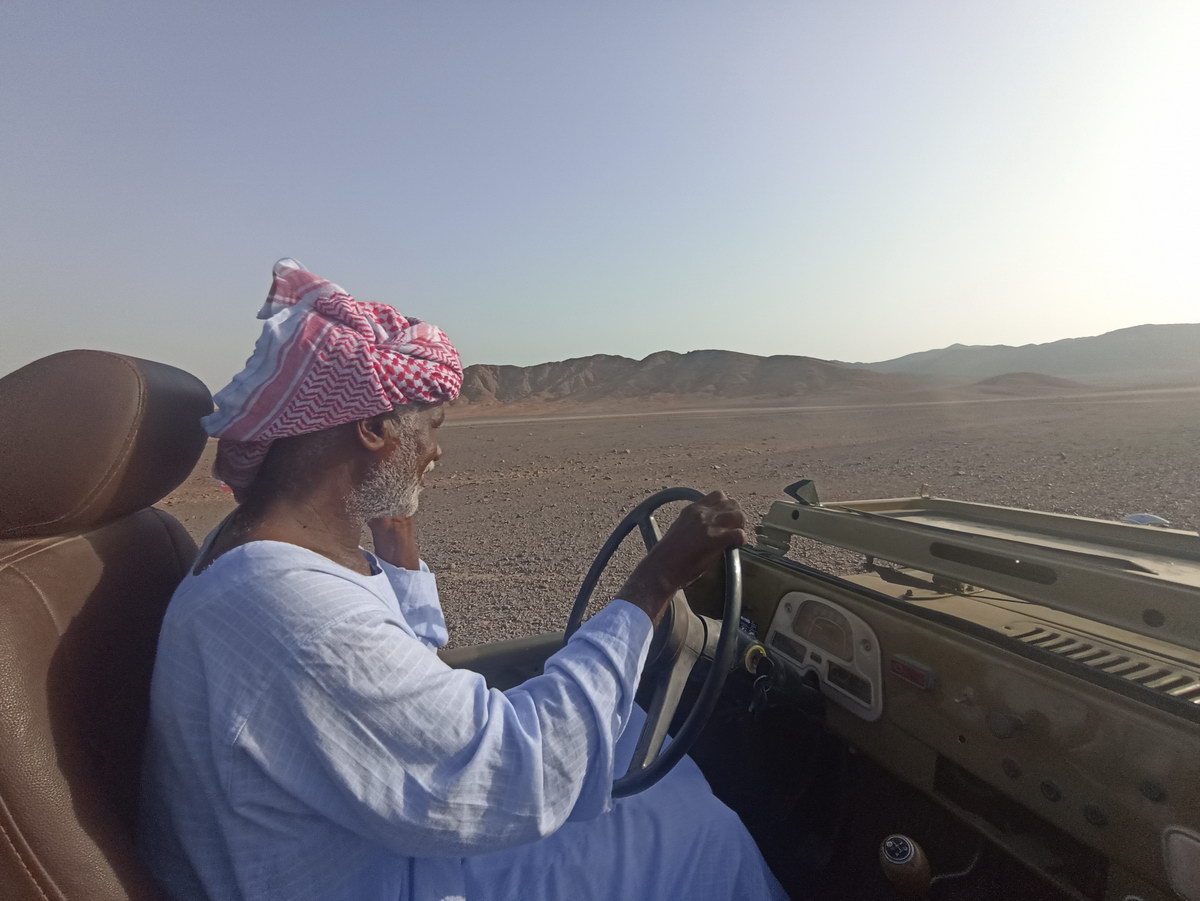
column 45, row 602
column 121, row 459
column 17, row 853
column 36, row 548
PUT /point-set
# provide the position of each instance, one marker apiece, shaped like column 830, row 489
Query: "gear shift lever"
column 906, row 867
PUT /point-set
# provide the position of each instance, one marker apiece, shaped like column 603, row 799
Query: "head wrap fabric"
column 324, row 359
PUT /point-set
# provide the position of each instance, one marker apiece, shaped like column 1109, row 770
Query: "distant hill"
column 697, row 376
column 1141, row 355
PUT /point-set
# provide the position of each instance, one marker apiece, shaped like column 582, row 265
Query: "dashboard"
column 971, row 699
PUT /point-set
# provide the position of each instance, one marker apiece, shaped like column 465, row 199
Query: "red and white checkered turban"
column 324, row 359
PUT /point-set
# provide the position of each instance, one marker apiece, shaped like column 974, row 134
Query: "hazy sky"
column 848, row 180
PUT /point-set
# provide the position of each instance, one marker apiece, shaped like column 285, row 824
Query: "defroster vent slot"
column 1181, row 684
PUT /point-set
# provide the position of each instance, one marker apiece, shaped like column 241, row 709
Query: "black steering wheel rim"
column 722, row 658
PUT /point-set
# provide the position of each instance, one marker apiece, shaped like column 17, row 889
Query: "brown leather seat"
column 88, row 441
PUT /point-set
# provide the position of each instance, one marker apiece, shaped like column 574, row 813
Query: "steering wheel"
column 681, row 641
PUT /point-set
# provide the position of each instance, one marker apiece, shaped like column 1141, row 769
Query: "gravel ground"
column 517, row 509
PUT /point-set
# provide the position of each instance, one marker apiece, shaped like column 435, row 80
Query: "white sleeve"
column 420, row 605
column 368, row 728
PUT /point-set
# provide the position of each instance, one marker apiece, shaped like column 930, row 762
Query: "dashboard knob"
column 1003, row 725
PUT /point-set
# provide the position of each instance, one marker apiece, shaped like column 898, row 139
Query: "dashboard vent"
column 1154, row 674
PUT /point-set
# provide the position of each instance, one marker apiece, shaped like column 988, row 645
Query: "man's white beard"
column 392, row 489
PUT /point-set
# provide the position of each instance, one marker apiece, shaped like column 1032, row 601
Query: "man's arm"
column 369, row 728
column 695, row 540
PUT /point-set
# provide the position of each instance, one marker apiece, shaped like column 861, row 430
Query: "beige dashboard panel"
column 1108, row 770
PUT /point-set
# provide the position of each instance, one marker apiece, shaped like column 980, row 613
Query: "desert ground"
column 516, row 509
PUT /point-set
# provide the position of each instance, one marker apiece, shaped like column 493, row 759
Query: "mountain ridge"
column 1131, row 357
column 698, row 374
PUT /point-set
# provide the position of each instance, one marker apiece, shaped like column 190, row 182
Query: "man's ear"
column 372, row 433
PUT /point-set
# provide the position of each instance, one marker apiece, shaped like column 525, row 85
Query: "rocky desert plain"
column 529, row 487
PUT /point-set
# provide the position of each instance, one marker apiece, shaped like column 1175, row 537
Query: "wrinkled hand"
column 395, row 541
column 701, row 534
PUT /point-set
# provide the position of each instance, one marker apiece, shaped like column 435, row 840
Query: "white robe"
column 306, row 742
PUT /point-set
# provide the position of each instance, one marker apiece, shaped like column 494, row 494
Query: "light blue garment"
column 306, row 742
column 672, row 842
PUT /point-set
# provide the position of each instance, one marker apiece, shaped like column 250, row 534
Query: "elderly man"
column 305, row 740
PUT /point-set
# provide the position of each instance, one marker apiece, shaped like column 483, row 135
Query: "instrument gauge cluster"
column 825, row 627
column 811, row 634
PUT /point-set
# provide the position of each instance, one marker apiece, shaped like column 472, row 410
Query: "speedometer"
column 811, row 635
column 826, row 628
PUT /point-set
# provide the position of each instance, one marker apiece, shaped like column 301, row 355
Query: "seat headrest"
column 87, row 437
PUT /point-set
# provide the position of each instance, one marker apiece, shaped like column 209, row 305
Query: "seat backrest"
column 89, row 441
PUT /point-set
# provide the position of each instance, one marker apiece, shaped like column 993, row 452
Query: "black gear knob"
column 906, row 867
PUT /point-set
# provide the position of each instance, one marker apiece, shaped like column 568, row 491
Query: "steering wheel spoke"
column 661, row 712
column 712, row 638
column 683, row 640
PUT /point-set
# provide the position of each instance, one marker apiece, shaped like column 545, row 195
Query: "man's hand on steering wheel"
column 701, row 534
column 712, row 526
